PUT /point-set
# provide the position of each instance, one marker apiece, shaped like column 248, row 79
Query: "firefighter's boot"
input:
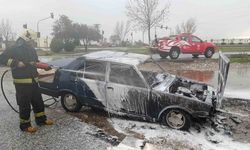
column 46, row 122
column 30, row 129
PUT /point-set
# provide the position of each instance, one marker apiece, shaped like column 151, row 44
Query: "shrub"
column 69, row 46
column 56, row 45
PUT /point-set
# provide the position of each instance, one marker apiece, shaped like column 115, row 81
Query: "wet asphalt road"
column 67, row 133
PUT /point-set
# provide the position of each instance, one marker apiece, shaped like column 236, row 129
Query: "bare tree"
column 118, row 31
column 126, row 30
column 178, row 30
column 121, row 31
column 146, row 13
column 190, row 26
column 6, row 31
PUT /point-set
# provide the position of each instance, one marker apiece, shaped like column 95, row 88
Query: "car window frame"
column 146, row 86
column 187, row 38
column 96, row 61
column 196, row 38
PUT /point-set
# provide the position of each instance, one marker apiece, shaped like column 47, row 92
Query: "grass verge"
column 245, row 59
column 244, row 48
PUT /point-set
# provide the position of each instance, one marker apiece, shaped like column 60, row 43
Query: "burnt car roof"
column 118, row 57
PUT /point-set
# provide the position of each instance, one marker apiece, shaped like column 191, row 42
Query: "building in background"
column 44, row 42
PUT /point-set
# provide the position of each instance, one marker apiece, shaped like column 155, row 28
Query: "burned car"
column 132, row 85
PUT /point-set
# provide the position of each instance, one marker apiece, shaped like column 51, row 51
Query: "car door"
column 184, row 43
column 93, row 83
column 197, row 45
column 224, row 64
column 127, row 91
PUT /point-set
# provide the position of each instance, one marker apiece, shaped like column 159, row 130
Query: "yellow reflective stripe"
column 22, row 121
column 26, row 80
column 36, row 79
column 40, row 114
column 9, row 62
column 29, row 80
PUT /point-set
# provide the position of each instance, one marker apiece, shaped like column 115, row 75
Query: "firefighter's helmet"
column 28, row 35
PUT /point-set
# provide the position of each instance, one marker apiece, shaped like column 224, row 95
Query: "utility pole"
column 38, row 33
column 102, row 36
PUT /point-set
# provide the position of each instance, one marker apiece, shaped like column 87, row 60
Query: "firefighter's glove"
column 48, row 68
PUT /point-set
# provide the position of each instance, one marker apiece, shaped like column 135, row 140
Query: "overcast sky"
column 215, row 18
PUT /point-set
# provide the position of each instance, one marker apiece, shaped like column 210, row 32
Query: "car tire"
column 164, row 55
column 176, row 119
column 174, row 53
column 195, row 55
column 209, row 52
column 70, row 102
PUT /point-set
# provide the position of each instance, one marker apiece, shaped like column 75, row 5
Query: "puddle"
column 237, row 84
column 203, row 76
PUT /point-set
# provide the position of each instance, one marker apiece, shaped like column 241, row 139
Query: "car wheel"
column 195, row 55
column 174, row 53
column 209, row 53
column 70, row 102
column 164, row 55
column 176, row 119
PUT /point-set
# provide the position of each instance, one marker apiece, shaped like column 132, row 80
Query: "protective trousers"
column 27, row 95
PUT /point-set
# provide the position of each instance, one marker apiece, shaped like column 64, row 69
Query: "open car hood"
column 224, row 64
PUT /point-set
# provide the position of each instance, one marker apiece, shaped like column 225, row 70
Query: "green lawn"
column 243, row 48
column 244, row 59
column 145, row 50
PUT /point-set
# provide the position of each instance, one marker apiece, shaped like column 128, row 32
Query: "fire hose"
column 40, row 65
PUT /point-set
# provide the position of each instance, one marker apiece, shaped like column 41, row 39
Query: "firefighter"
column 22, row 59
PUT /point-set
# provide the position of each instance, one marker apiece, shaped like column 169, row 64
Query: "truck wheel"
column 195, row 55
column 209, row 53
column 70, row 102
column 164, row 55
column 176, row 119
column 174, row 53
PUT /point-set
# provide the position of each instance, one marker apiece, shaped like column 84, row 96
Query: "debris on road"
column 113, row 140
column 235, row 119
column 129, row 143
column 210, row 136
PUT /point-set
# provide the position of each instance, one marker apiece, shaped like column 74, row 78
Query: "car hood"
column 224, row 64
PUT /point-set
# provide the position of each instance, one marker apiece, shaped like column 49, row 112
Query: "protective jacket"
column 26, row 54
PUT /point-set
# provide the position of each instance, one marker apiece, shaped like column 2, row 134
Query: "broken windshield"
column 152, row 72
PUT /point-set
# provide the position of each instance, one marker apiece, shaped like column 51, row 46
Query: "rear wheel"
column 174, row 53
column 176, row 119
column 164, row 55
column 209, row 53
column 195, row 55
column 70, row 102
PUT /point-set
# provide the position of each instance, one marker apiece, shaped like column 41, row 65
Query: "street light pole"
column 37, row 27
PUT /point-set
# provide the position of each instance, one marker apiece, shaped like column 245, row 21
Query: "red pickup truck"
column 184, row 43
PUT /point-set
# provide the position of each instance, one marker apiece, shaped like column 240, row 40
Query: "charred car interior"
column 119, row 82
